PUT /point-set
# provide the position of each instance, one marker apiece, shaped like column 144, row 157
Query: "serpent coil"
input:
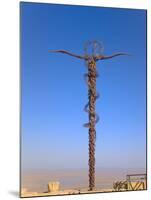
column 90, row 79
column 93, row 118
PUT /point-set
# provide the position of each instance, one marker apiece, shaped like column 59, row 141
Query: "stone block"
column 53, row 186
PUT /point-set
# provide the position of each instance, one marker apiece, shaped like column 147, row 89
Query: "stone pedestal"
column 53, row 186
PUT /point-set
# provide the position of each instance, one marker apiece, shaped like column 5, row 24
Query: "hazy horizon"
column 36, row 181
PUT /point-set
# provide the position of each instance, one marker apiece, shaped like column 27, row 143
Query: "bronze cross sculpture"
column 91, row 59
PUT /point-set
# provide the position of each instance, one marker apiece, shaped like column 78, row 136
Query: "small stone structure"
column 133, row 182
column 53, row 186
column 139, row 185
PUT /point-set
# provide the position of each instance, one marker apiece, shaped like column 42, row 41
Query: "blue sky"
column 54, row 91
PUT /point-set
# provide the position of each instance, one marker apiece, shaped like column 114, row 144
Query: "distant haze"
column 74, row 178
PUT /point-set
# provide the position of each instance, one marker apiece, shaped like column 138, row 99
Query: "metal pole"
column 92, row 121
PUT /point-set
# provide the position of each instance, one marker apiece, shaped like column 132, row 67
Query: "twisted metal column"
column 93, row 118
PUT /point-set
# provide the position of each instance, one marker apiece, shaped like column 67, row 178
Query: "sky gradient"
column 54, row 91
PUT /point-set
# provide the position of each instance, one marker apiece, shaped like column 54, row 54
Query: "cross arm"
column 68, row 53
column 102, row 57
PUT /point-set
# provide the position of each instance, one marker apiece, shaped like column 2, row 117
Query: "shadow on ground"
column 14, row 193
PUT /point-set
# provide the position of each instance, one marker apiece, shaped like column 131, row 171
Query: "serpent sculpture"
column 91, row 59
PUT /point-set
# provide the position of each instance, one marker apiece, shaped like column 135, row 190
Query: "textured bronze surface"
column 92, row 121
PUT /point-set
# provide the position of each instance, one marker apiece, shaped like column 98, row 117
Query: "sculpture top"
column 93, row 48
column 93, row 51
